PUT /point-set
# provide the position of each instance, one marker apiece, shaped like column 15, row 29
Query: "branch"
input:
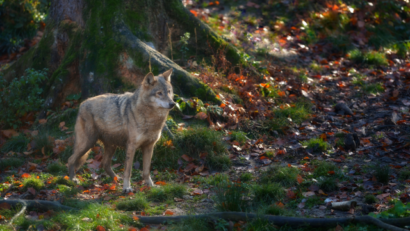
column 19, row 213
column 282, row 220
column 39, row 204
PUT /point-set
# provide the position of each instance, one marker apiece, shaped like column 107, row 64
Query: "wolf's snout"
column 171, row 105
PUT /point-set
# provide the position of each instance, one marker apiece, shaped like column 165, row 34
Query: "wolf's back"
column 107, row 112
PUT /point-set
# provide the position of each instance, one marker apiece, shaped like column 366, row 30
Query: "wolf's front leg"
column 147, row 151
column 131, row 148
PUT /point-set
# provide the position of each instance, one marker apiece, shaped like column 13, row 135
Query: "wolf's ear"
column 149, row 79
column 167, row 75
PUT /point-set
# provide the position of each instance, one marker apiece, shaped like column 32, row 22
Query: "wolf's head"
column 157, row 90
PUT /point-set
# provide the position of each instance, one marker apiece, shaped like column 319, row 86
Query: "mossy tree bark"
column 98, row 46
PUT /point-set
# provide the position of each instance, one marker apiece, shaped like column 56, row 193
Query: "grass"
column 246, row 176
column 32, row 182
column 315, row 67
column 313, row 201
column 166, row 192
column 98, row 215
column 230, row 196
column 43, row 142
column 239, row 136
column 327, row 184
column 191, row 224
column 67, row 191
column 274, row 210
column 193, row 142
column 381, row 172
column 16, row 143
column 139, row 203
column 324, row 168
column 286, row 176
column 57, row 168
column 297, row 113
column 212, row 180
column 166, row 176
column 267, row 193
column 369, row 58
column 317, row 144
column 370, row 199
column 369, row 88
column 63, row 181
column 404, row 174
column 12, row 162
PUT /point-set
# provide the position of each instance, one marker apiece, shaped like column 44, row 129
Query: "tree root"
column 188, row 85
column 39, row 204
column 23, row 209
column 281, row 220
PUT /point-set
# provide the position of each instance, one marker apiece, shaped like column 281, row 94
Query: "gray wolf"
column 130, row 120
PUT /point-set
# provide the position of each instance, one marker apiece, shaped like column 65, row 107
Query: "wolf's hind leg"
column 109, row 151
column 83, row 142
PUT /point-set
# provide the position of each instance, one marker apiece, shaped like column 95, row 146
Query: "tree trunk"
column 98, row 46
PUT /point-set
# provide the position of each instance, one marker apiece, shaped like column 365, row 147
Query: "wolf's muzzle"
column 171, row 105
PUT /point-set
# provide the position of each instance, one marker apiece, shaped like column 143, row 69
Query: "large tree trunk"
column 98, row 46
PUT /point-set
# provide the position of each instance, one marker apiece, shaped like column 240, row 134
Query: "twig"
column 19, row 213
column 282, row 220
column 39, row 204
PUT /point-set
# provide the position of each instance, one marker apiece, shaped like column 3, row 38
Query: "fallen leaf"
column 9, row 133
column 100, row 228
column 42, row 121
column 168, row 212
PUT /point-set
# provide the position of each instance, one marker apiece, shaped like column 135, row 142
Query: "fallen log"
column 389, row 224
column 39, row 204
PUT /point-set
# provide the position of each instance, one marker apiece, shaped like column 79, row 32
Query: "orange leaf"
column 222, row 105
column 144, row 229
column 135, row 218
column 25, row 175
column 100, row 228
column 115, row 178
column 306, row 158
column 194, row 13
column 280, row 204
column 168, row 212
column 331, row 172
column 66, row 177
column 323, row 137
column 299, row 179
column 42, row 121
column 132, row 229
column 112, row 188
column 160, row 183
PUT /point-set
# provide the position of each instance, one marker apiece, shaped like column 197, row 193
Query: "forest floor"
column 326, row 121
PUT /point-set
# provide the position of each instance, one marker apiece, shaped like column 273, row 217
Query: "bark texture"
column 99, row 46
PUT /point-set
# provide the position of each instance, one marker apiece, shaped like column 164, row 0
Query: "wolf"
column 130, row 120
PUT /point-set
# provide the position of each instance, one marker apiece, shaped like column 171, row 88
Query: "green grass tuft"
column 268, row 192
column 327, row 184
column 139, row 203
column 16, row 143
column 12, row 162
column 382, row 172
column 61, row 180
column 230, row 196
column 317, row 144
column 32, row 182
column 246, row 176
column 274, row 210
column 286, row 176
column 191, row 224
column 324, row 168
column 299, row 113
column 370, row 58
column 57, row 168
column 404, row 174
column 239, row 136
column 166, row 192
column 370, row 199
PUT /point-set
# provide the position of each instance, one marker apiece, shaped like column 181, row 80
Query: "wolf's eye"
column 159, row 93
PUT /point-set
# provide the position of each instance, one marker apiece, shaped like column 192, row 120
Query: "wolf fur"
column 130, row 120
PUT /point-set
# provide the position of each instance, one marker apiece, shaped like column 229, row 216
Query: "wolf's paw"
column 149, row 182
column 127, row 190
column 76, row 180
